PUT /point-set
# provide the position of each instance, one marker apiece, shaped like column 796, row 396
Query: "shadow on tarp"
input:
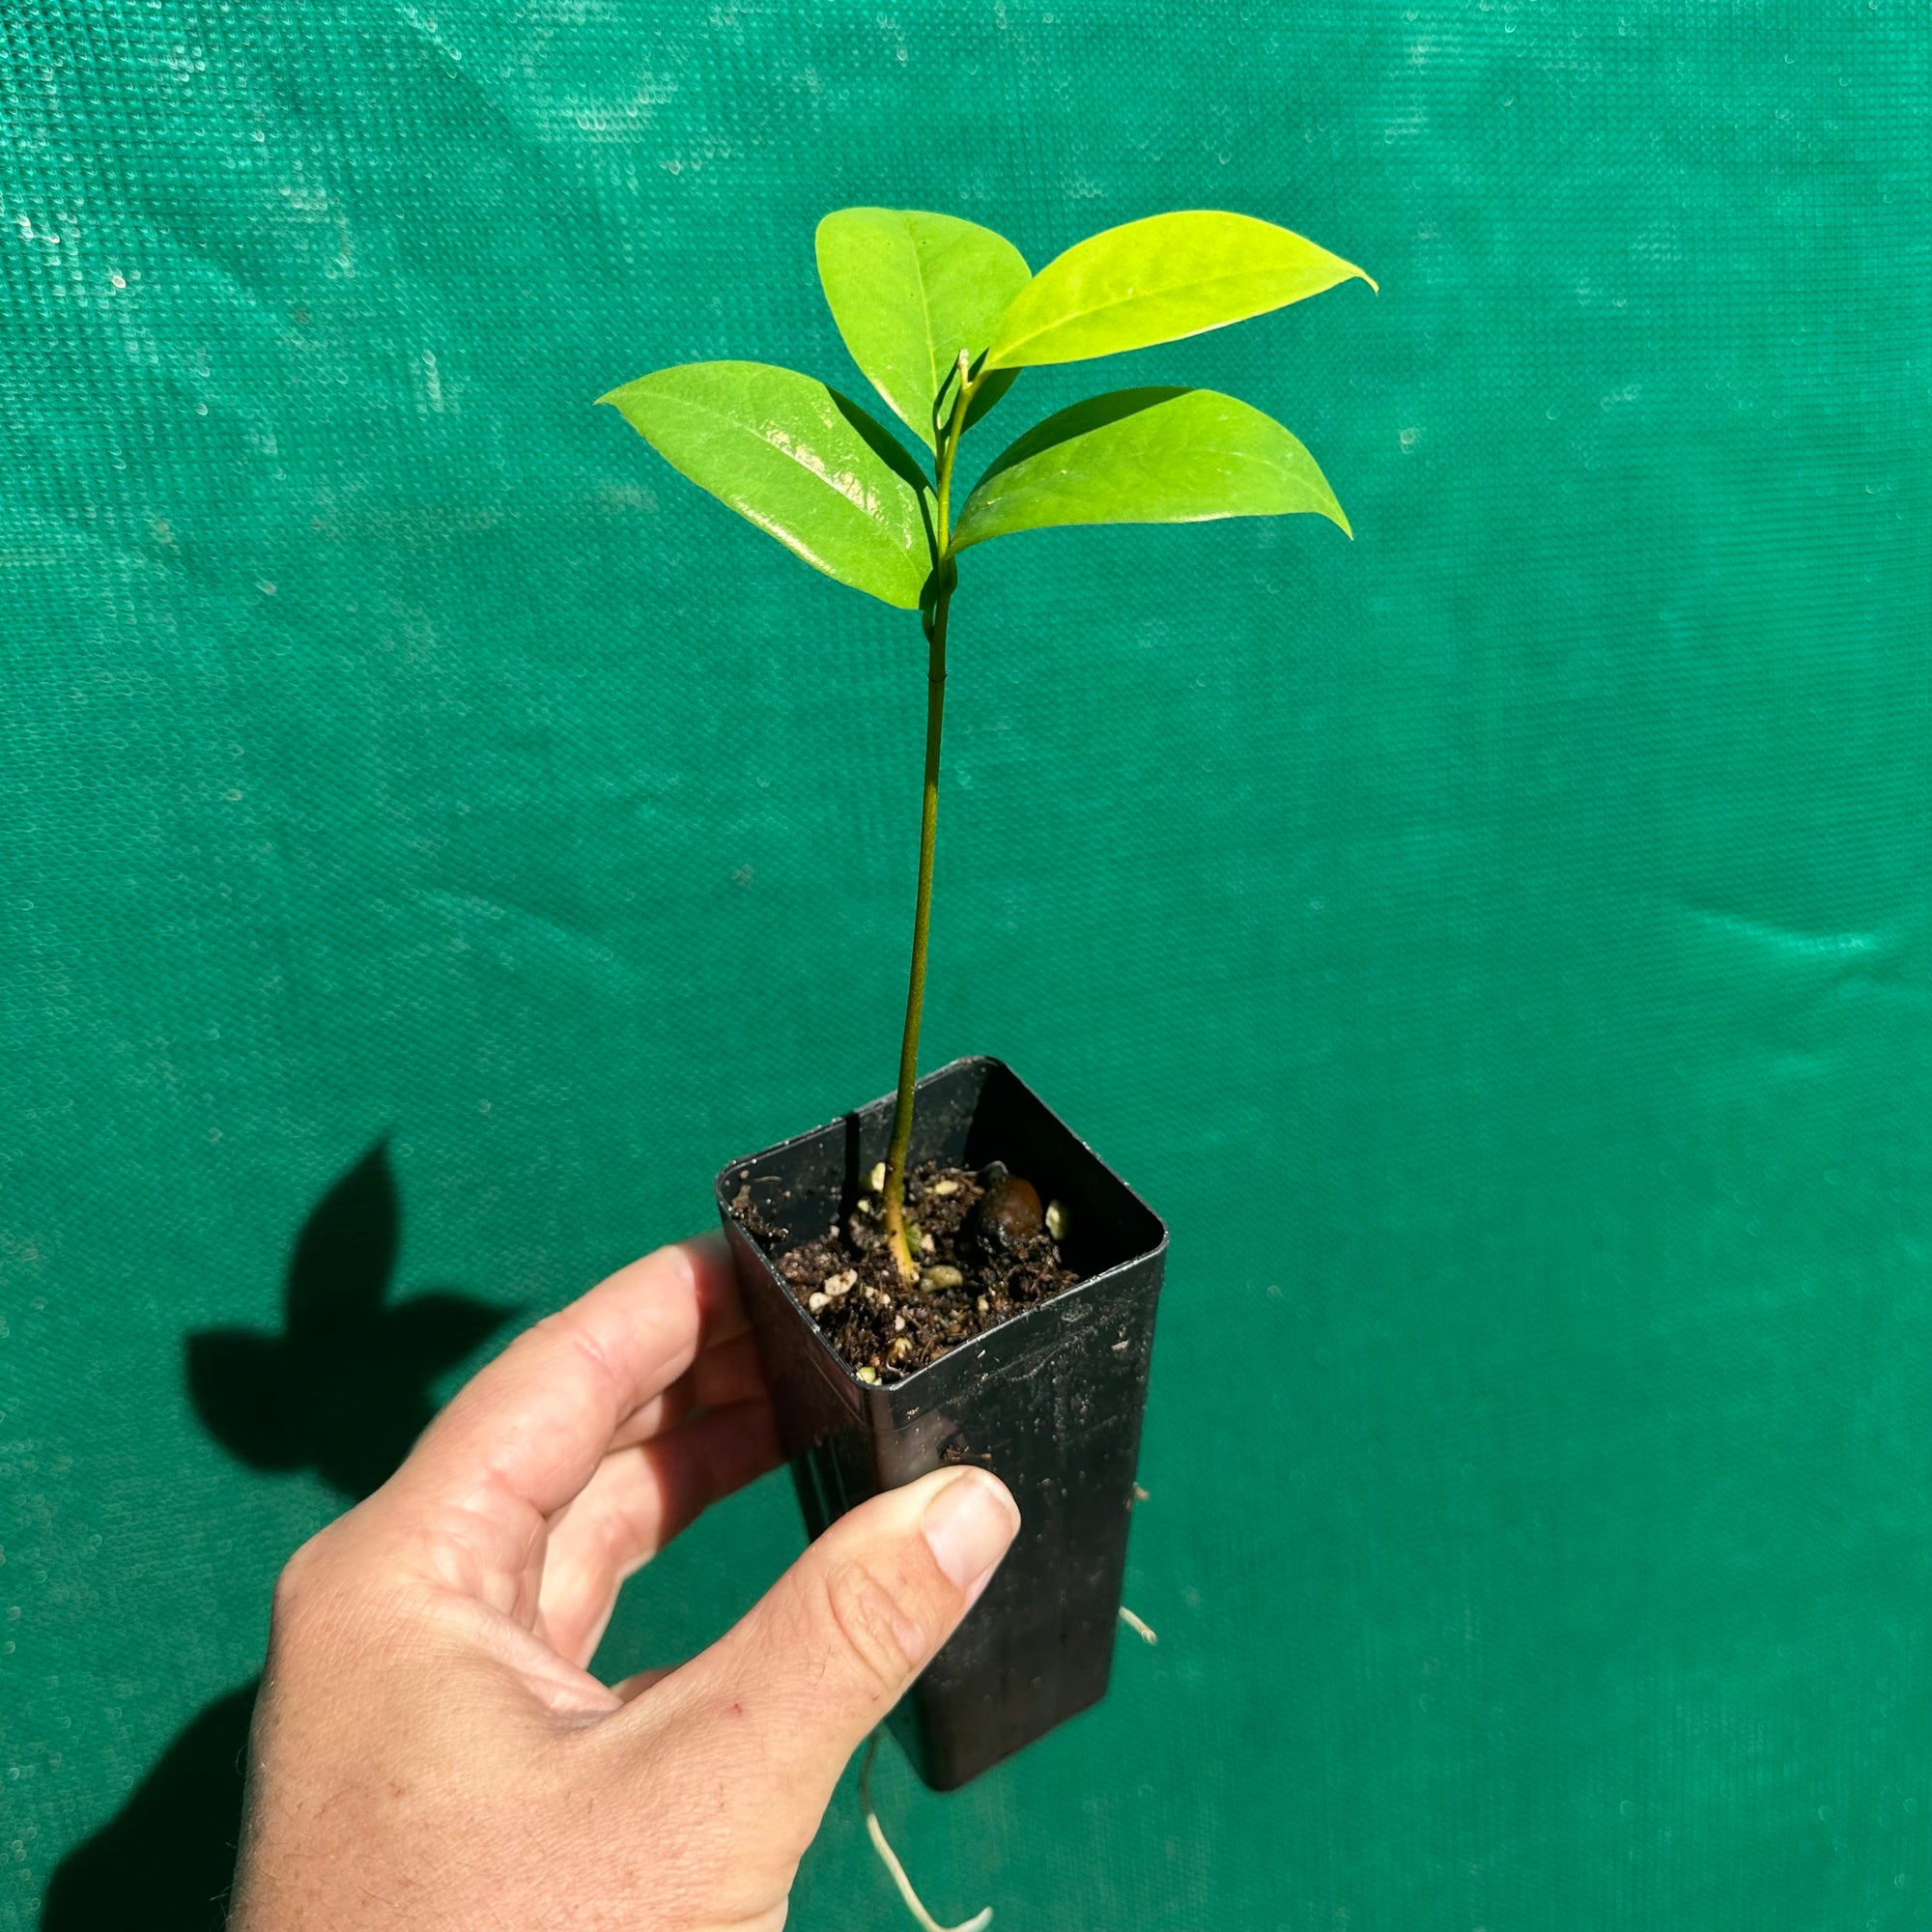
column 343, row 1389
column 164, row 1863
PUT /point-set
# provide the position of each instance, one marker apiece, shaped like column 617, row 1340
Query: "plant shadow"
column 343, row 1388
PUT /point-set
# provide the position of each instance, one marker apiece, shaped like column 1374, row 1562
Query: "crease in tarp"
column 569, row 938
column 1790, row 940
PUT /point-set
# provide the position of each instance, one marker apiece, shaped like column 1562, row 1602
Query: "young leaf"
column 909, row 291
column 1157, row 280
column 804, row 463
column 1147, row 456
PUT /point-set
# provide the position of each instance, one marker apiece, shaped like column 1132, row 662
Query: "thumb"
column 821, row 1659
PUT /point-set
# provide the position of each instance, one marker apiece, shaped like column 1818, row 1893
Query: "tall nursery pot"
column 1050, row 1401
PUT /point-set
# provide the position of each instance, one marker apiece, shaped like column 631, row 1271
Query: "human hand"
column 430, row 1751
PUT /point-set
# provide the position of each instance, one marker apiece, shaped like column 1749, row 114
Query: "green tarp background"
column 1502, row 946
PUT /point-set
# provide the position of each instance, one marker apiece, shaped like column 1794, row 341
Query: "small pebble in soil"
column 985, row 1251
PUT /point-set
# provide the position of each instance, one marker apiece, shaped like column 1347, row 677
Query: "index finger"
column 533, row 1425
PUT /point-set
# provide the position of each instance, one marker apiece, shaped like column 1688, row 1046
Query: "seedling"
column 942, row 315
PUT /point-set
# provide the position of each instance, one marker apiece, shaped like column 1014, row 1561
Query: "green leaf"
column 804, row 463
column 909, row 291
column 1147, row 456
column 1157, row 280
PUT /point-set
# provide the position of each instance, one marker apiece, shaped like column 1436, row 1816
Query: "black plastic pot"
column 1050, row 1401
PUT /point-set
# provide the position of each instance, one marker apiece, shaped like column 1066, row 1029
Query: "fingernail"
column 967, row 1525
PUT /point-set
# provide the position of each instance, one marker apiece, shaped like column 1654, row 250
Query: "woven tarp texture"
column 434, row 837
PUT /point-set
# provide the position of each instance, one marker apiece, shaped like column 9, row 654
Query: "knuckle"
column 307, row 1589
column 296, row 1586
column 877, row 1621
column 296, row 1592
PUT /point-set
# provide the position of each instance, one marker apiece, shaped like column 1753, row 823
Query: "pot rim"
column 735, row 1172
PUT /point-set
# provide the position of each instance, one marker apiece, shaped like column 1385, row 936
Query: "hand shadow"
column 344, row 1389
column 164, row 1861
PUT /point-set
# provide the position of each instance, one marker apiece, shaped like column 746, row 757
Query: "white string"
column 889, row 1858
column 1139, row 1628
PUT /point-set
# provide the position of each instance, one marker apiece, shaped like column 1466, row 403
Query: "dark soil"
column 982, row 1246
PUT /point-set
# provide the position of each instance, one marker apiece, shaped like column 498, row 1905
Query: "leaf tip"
column 616, row 397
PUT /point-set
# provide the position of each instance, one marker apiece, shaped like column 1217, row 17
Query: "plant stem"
column 928, row 824
column 946, row 575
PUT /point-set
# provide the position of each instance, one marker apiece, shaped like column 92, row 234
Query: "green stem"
column 928, row 824
column 946, row 575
